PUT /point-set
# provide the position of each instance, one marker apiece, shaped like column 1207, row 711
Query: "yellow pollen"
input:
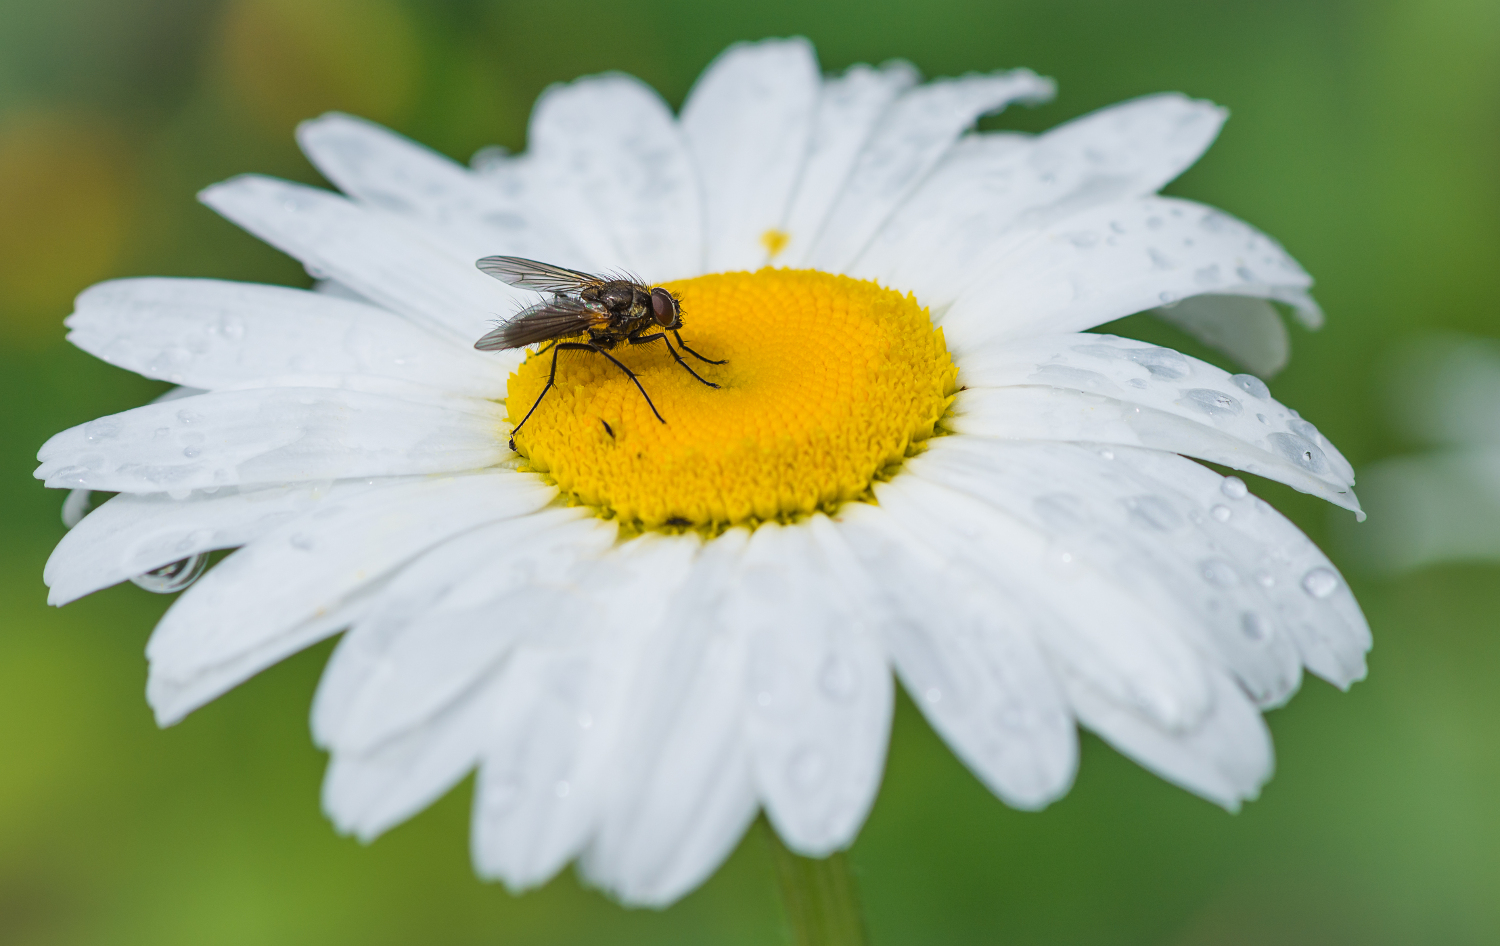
column 775, row 241
column 830, row 383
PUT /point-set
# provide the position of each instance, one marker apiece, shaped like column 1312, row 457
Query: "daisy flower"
column 641, row 632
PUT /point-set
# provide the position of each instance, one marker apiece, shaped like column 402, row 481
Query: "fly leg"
column 590, row 346
column 707, row 361
column 551, row 379
column 645, row 339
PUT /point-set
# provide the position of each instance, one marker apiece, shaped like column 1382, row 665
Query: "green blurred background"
column 1365, row 135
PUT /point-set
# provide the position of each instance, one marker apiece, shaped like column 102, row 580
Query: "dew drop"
column 299, row 540
column 585, row 721
column 1252, row 386
column 186, row 416
column 1301, row 451
column 763, row 698
column 173, row 577
column 1234, row 487
column 1164, row 364
column 1265, row 579
column 1215, row 404
column 1254, row 627
column 1320, row 582
column 191, row 451
column 1107, row 454
column 933, row 695
column 562, row 789
column 102, row 429
column 1221, row 513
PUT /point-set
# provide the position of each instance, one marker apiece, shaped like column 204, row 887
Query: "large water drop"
column 173, row 577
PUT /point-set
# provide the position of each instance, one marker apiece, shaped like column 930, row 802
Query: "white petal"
column 910, row 139
column 1142, row 375
column 554, row 756
column 471, row 213
column 683, row 789
column 1196, row 572
column 532, row 811
column 214, row 334
column 818, row 695
column 133, row 534
column 974, row 669
column 1309, row 595
column 1082, row 619
column 610, row 164
column 449, row 618
column 1246, row 329
column 849, row 108
column 1114, row 260
column 1226, row 758
column 274, row 435
column 748, row 121
column 997, row 185
column 372, row 252
column 1048, row 413
column 303, row 569
column 367, row 794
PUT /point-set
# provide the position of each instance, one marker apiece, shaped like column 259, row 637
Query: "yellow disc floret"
column 830, row 382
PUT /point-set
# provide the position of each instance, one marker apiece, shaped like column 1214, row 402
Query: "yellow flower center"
column 829, row 383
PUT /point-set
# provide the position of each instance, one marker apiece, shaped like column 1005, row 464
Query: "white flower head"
column 641, row 632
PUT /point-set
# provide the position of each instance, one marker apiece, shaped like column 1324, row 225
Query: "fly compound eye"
column 663, row 307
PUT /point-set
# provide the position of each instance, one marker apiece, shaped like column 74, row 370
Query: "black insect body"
column 605, row 311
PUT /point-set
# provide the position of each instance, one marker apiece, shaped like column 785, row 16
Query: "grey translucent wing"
column 540, row 277
column 559, row 317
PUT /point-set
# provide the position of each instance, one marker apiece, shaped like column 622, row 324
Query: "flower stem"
column 819, row 896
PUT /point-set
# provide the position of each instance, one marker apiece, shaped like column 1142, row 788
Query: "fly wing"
column 559, row 317
column 540, row 277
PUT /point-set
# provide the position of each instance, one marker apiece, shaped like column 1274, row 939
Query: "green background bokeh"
column 1364, row 135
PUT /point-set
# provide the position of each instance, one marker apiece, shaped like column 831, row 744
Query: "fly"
column 607, row 311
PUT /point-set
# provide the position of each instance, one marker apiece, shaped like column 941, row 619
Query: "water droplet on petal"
column 1164, row 364
column 191, row 451
column 1254, row 627
column 1221, row 513
column 1320, row 582
column 1252, row 386
column 585, row 721
column 186, row 416
column 299, row 540
column 174, row 577
column 1301, row 451
column 76, row 506
column 1234, row 487
column 104, row 428
column 1216, row 404
column 933, row 695
column 562, row 789
column 1265, row 579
